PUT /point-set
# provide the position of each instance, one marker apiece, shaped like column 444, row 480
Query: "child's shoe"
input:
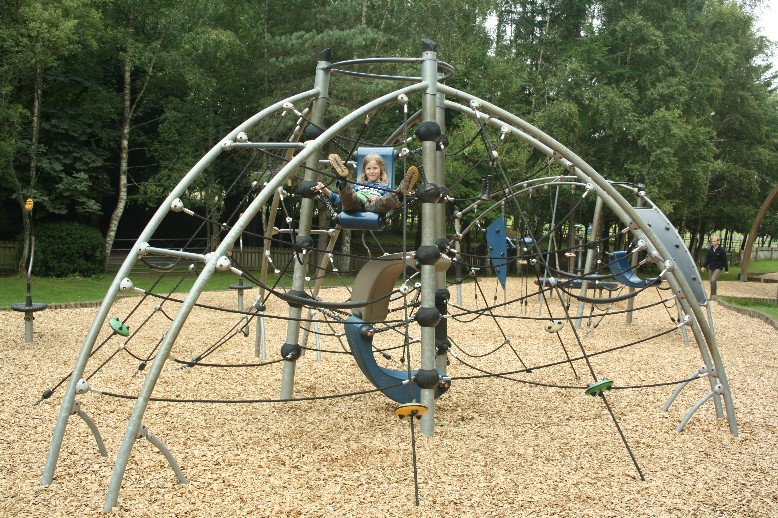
column 409, row 182
column 337, row 164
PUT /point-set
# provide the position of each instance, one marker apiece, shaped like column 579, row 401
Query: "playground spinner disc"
column 118, row 327
column 595, row 388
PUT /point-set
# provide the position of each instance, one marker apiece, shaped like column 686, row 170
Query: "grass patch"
column 13, row 289
column 767, row 308
column 757, row 267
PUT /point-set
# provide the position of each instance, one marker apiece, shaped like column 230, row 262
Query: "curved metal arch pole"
column 321, row 82
column 565, row 163
column 429, row 227
column 707, row 354
column 706, row 340
column 620, row 206
column 77, row 410
column 644, row 197
column 186, row 307
column 754, row 229
column 413, row 119
column 553, row 181
column 712, row 394
column 124, row 271
column 706, row 344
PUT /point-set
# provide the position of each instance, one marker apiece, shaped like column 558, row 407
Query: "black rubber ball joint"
column 428, row 317
column 427, row 378
column 429, row 193
column 291, row 352
column 442, row 346
column 307, row 189
column 428, row 131
column 303, row 242
column 427, row 254
column 312, row 132
column 442, row 295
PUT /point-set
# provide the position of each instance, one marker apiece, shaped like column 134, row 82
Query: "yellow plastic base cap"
column 412, row 409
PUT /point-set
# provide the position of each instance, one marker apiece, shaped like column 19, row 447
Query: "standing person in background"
column 715, row 261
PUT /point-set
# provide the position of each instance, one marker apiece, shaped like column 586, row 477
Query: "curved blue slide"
column 625, row 273
column 361, row 345
column 373, row 284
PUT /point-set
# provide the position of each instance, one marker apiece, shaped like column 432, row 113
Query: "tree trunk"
column 128, row 109
column 345, row 247
column 499, row 29
column 124, row 151
column 26, row 219
column 321, row 240
column 36, row 124
column 27, row 231
column 699, row 237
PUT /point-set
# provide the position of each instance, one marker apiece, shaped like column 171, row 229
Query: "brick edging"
column 757, row 278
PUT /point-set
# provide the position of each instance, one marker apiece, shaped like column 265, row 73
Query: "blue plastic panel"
column 498, row 249
column 361, row 220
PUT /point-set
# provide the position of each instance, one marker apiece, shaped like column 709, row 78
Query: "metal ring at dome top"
column 335, row 68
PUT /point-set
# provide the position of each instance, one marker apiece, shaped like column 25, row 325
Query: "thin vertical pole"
column 590, row 257
column 429, row 214
column 321, row 82
column 634, row 263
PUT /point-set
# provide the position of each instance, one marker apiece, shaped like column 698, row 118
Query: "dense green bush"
column 67, row 248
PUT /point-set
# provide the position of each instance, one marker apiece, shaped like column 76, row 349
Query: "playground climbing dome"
column 405, row 314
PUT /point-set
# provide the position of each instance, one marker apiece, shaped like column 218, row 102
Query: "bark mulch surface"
column 524, row 444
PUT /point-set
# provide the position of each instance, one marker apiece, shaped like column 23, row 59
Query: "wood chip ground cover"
column 501, row 447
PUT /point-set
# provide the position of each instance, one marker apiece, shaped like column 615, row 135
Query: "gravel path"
column 525, row 445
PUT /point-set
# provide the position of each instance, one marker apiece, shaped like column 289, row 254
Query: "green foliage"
column 769, row 226
column 675, row 93
column 68, row 248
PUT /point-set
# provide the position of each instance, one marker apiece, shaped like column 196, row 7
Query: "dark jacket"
column 716, row 259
